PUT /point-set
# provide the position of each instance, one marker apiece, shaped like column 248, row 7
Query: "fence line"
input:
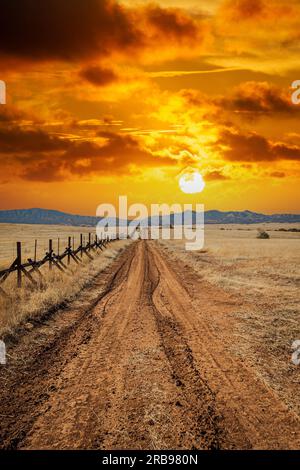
column 58, row 261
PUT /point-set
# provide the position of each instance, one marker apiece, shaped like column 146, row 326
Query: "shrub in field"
column 263, row 235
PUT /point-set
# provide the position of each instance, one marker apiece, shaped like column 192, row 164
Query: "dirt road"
column 142, row 360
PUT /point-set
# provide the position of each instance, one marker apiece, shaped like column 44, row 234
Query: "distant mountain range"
column 45, row 217
column 52, row 217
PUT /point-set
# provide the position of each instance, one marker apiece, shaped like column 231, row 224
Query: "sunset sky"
column 109, row 98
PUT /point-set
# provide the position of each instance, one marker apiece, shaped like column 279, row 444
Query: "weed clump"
column 263, row 235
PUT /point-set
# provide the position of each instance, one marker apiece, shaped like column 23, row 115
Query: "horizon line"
column 170, row 213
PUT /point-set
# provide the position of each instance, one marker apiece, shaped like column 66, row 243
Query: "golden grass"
column 245, row 260
column 27, row 234
column 265, row 276
column 30, row 302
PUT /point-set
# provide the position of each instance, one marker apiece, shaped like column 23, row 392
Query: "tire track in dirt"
column 254, row 416
column 113, row 381
column 121, row 390
column 205, row 423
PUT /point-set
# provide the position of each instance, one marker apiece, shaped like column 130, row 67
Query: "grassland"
column 265, row 274
column 28, row 302
column 27, row 234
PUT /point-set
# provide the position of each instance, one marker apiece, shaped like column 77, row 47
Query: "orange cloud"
column 78, row 30
column 258, row 10
column 172, row 24
column 252, row 147
column 255, row 33
column 37, row 155
column 215, row 175
column 237, row 10
column 258, row 98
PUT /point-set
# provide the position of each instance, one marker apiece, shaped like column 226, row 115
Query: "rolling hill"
column 53, row 217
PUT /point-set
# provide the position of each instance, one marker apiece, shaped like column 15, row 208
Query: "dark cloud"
column 64, row 30
column 253, row 147
column 18, row 140
column 11, row 114
column 277, row 174
column 215, row 175
column 171, row 23
column 258, row 98
column 44, row 170
column 286, row 151
column 98, row 76
column 244, row 9
column 76, row 30
column 38, row 156
column 116, row 155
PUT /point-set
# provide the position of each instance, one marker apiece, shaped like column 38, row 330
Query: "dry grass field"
column 27, row 234
column 29, row 302
column 265, row 275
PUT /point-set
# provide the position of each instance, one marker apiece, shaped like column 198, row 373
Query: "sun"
column 191, row 182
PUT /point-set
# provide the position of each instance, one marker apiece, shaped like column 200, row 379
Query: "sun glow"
column 191, row 182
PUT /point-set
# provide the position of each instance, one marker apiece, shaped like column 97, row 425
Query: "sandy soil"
column 142, row 360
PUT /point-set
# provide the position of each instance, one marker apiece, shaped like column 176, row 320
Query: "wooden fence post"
column 69, row 250
column 35, row 250
column 50, row 254
column 19, row 264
